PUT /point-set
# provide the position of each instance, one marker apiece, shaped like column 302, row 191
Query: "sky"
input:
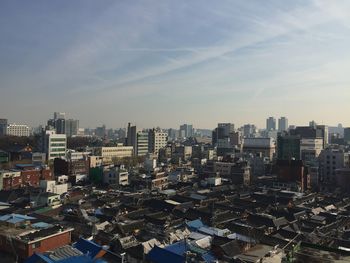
column 164, row 63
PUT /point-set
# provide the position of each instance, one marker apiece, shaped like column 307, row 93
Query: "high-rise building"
column 221, row 138
column 139, row 140
column 142, row 143
column 271, row 124
column 331, row 159
column 55, row 145
column 20, row 130
column 72, row 127
column 3, row 127
column 288, row 147
column 157, row 140
column 58, row 122
column 131, row 136
column 347, row 135
column 282, row 124
column 60, row 125
column 186, row 130
column 59, row 115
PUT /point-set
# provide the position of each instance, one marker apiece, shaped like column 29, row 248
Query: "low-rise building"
column 116, row 175
column 264, row 146
column 119, row 151
column 52, row 187
column 21, row 237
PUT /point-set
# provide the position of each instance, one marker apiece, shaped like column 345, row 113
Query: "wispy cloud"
column 151, row 49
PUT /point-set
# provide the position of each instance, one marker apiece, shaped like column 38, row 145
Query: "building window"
column 36, row 245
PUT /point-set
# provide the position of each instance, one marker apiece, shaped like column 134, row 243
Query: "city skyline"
column 163, row 64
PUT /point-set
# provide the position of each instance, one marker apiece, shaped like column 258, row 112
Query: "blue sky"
column 163, row 63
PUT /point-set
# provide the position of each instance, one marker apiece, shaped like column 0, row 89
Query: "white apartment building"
column 20, row 130
column 55, row 145
column 157, row 140
column 119, row 151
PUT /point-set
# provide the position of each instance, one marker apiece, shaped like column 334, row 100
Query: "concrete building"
column 52, row 187
column 20, row 130
column 10, row 179
column 282, row 124
column 271, row 124
column 72, row 127
column 312, row 132
column 119, row 151
column 310, row 149
column 157, row 140
column 264, row 146
column 330, row 160
column 116, row 175
column 55, row 145
column 3, row 127
column 223, row 168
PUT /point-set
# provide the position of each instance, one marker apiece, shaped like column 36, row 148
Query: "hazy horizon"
column 165, row 63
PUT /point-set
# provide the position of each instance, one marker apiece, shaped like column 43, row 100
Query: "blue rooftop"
column 84, row 251
column 88, row 247
column 15, row 218
column 195, row 224
column 23, row 165
column 160, row 255
column 175, row 253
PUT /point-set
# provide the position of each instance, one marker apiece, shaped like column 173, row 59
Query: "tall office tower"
column 3, row 126
column 186, row 130
column 222, row 136
column 55, row 145
column 271, row 124
column 60, row 125
column 131, row 136
column 157, row 140
column 58, row 122
column 347, row 135
column 20, row 130
column 59, row 115
column 282, row 124
column 72, row 127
